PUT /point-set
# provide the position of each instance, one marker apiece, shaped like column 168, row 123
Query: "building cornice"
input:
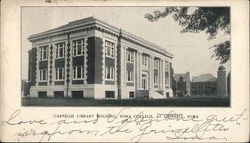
column 99, row 25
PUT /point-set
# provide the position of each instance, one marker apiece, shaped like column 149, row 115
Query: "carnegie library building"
column 89, row 58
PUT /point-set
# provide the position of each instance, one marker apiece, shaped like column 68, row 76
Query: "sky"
column 191, row 51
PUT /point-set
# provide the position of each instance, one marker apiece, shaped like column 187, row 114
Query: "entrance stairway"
column 156, row 94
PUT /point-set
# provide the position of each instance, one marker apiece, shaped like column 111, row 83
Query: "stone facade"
column 89, row 58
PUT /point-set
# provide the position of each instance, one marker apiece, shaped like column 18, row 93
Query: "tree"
column 212, row 20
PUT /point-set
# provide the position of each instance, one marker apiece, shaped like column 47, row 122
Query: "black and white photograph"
column 126, row 56
column 124, row 71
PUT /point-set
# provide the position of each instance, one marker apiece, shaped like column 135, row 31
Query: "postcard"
column 124, row 71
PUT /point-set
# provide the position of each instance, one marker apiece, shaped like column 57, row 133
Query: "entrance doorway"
column 144, row 81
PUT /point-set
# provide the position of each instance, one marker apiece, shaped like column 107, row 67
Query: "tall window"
column 109, row 49
column 78, row 47
column 144, row 60
column 78, row 72
column 43, row 52
column 60, row 73
column 44, row 75
column 166, row 78
column 155, row 78
column 130, row 76
column 166, row 66
column 60, row 50
column 109, row 72
column 156, row 64
column 166, row 73
column 130, row 56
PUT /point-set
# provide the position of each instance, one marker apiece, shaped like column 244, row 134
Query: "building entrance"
column 144, row 81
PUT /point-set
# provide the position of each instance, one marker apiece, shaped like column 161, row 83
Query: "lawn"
column 176, row 101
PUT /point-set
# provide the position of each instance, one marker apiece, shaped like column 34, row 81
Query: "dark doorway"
column 42, row 94
column 144, row 81
column 59, row 94
column 77, row 94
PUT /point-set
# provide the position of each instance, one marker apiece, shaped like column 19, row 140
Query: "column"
column 136, row 69
column 37, row 65
column 163, row 75
column 160, row 74
column 169, row 74
column 123, row 67
column 139, row 70
column 151, row 72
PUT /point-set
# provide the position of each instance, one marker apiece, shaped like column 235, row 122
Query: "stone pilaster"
column 163, row 75
column 67, row 77
column 139, row 70
column 160, row 74
column 151, row 74
column 37, row 65
column 50, row 63
column 125, row 63
column 118, row 66
column 85, row 61
column 54, row 61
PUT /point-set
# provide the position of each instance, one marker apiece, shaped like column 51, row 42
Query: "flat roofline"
column 93, row 20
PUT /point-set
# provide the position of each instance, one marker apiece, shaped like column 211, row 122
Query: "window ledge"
column 59, row 79
column 60, row 58
column 43, row 60
column 78, row 79
column 78, row 55
column 110, row 79
column 129, row 62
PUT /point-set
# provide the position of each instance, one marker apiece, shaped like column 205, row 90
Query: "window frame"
column 58, row 47
column 130, row 56
column 42, row 49
column 156, row 64
column 167, row 82
column 130, row 93
column 109, row 46
column 110, row 94
column 75, row 47
column 167, row 65
column 109, row 73
column 75, row 72
column 156, row 80
column 42, row 78
column 144, row 60
column 58, row 74
column 167, row 70
column 130, row 76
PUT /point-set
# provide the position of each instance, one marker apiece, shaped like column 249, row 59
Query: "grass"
column 175, row 101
